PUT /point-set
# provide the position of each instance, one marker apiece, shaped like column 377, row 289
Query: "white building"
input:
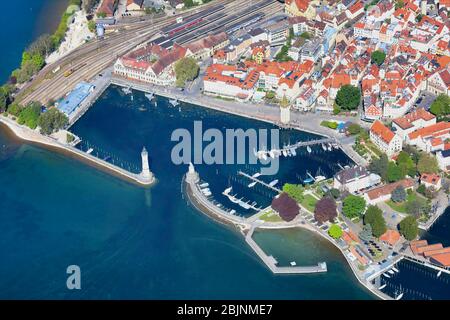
column 355, row 179
column 386, row 140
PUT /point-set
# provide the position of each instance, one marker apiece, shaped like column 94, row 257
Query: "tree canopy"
column 295, row 191
column 398, row 194
column 186, row 69
column 394, row 172
column 52, row 120
column 348, row 97
column 374, row 217
column 441, row 106
column 325, row 210
column 380, row 166
column 286, row 207
column 406, row 164
column 417, row 207
column 353, row 206
column 30, row 114
column 409, row 228
column 378, row 57
column 427, row 164
column 335, row 231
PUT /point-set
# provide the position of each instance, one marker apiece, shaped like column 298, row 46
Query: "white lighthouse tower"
column 146, row 174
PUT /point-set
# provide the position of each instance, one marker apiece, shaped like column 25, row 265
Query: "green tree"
column 30, row 114
column 15, row 109
column 398, row 194
column 406, row 164
column 186, row 69
column 354, row 129
column 374, row 217
column 409, row 228
column 334, row 193
column 417, row 207
column 189, row 3
column 348, row 97
column 399, row 4
column 52, row 120
column 441, row 106
column 366, row 233
column 353, row 206
column 378, row 57
column 3, row 99
column 335, row 231
column 427, row 164
column 295, row 191
column 394, row 173
column 306, row 35
column 380, row 166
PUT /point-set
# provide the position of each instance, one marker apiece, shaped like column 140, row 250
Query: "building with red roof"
column 386, row 140
column 431, row 138
column 383, row 193
column 301, row 8
column 413, row 121
column 391, row 237
column 439, row 82
column 431, row 180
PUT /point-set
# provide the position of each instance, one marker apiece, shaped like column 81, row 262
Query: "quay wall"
column 29, row 135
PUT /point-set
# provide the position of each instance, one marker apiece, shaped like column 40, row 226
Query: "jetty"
column 259, row 181
column 271, row 262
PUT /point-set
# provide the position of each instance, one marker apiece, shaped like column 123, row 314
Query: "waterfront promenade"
column 33, row 136
column 264, row 112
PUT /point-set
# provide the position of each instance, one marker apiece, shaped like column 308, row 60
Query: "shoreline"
column 22, row 133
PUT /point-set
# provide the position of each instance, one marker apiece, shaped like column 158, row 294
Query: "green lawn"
column 271, row 216
column 309, row 202
column 400, row 207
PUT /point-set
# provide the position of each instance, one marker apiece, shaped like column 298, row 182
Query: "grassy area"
column 271, row 216
column 400, row 207
column 309, row 202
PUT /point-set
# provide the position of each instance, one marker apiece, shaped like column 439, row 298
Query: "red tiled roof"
column 430, row 178
column 406, row 121
column 379, row 129
column 443, row 259
column 387, row 189
column 391, row 237
column 435, row 129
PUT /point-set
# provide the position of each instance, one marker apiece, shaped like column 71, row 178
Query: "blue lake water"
column 20, row 23
column 140, row 243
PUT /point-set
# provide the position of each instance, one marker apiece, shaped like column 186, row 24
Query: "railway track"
column 91, row 59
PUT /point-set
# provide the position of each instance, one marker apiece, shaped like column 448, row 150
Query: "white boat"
column 256, row 175
column 272, row 154
column 126, row 90
column 319, row 178
column 386, row 275
column 329, row 147
column 132, row 98
column 227, row 191
column 395, row 269
column 204, row 185
column 382, row 287
column 324, row 147
column 273, row 183
column 284, row 152
column 232, row 212
column 293, row 263
column 149, row 96
column 391, row 272
column 174, row 102
column 90, row 151
column 293, row 152
column 439, row 273
column 308, row 148
column 251, row 185
column 264, row 156
column 399, row 296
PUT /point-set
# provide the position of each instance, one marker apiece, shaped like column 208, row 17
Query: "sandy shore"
column 77, row 34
